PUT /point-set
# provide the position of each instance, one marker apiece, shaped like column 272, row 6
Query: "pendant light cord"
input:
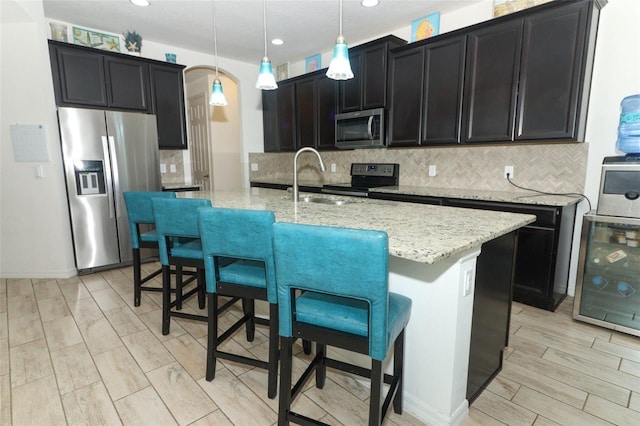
column 264, row 24
column 215, row 39
column 340, row 17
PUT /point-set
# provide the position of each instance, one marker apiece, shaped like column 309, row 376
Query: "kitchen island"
column 434, row 259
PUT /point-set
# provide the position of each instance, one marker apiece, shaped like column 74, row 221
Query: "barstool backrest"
column 238, row 234
column 176, row 217
column 139, row 210
column 344, row 262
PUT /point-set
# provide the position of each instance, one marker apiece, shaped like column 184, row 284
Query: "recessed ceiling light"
column 140, row 2
column 277, row 41
column 369, row 3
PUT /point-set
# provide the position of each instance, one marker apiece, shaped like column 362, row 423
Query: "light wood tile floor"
column 77, row 352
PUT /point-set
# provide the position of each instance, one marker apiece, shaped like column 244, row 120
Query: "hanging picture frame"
column 282, row 71
column 313, row 63
column 425, row 27
column 95, row 39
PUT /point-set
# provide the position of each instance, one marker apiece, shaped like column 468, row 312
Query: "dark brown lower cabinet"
column 544, row 251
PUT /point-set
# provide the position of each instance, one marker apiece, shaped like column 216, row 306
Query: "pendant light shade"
column 217, row 95
column 266, row 79
column 340, row 67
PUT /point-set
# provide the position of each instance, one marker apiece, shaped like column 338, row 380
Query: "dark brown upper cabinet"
column 521, row 77
column 443, row 89
column 91, row 78
column 167, row 95
column 426, row 93
column 553, row 92
column 491, row 82
column 368, row 87
column 300, row 112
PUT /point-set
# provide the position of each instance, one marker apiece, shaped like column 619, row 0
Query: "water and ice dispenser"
column 89, row 177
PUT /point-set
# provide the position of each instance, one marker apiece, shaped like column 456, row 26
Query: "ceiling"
column 307, row 26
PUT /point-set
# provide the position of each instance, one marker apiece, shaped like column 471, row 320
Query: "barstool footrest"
column 188, row 316
column 242, row 359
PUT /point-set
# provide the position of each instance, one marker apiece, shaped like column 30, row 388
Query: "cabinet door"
column 128, row 83
column 552, row 63
column 79, row 78
column 286, row 116
column 270, row 120
column 306, row 112
column 374, row 74
column 533, row 280
column 327, row 102
column 167, row 91
column 406, row 74
column 351, row 90
column 492, row 68
column 443, row 84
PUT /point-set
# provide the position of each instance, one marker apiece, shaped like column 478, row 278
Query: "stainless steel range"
column 365, row 176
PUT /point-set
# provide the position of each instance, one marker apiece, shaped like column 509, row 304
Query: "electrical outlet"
column 508, row 170
column 467, row 282
column 333, row 167
column 163, row 168
column 254, row 167
column 172, row 168
column 432, row 170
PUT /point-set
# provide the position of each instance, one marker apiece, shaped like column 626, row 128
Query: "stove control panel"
column 375, row 169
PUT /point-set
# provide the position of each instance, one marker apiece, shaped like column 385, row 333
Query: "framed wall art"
column 282, row 71
column 425, row 27
column 98, row 40
column 313, row 63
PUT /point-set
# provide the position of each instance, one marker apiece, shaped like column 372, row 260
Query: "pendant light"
column 340, row 68
column 217, row 96
column 266, row 79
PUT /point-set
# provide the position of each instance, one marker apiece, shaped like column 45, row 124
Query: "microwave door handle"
column 369, row 127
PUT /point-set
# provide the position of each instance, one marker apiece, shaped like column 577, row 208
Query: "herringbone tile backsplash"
column 558, row 167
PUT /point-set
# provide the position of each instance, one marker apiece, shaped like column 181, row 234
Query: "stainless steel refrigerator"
column 105, row 153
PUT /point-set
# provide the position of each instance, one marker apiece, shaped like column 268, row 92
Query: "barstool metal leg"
column 273, row 351
column 321, row 369
column 137, row 278
column 166, row 298
column 286, row 361
column 375, row 401
column 212, row 339
column 398, row 371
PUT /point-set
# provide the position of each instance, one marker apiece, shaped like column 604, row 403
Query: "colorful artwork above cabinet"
column 425, row 27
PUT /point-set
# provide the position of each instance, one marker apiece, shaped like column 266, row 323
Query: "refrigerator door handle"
column 107, row 175
column 115, row 172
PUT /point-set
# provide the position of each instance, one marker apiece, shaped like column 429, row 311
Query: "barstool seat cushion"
column 190, row 250
column 350, row 315
column 244, row 272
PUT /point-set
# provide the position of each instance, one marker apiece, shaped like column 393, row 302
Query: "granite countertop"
column 519, row 196
column 417, row 232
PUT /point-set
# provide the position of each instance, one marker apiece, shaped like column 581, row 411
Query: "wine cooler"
column 608, row 285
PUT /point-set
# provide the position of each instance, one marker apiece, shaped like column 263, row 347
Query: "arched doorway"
column 215, row 138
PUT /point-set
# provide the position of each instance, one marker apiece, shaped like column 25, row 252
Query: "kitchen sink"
column 323, row 201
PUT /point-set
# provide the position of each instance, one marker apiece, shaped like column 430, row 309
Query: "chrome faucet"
column 295, row 168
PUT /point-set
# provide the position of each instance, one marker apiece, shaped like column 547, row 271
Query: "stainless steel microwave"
column 361, row 129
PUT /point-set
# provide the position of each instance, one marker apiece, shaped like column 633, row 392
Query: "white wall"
column 34, row 222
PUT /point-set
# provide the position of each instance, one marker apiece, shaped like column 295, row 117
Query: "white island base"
column 437, row 338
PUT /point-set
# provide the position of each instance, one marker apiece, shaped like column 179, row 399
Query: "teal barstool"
column 246, row 238
column 179, row 245
column 139, row 212
column 333, row 288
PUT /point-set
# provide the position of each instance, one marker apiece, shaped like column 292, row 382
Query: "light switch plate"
column 172, row 168
column 163, row 168
column 333, row 167
column 254, row 167
column 432, row 170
